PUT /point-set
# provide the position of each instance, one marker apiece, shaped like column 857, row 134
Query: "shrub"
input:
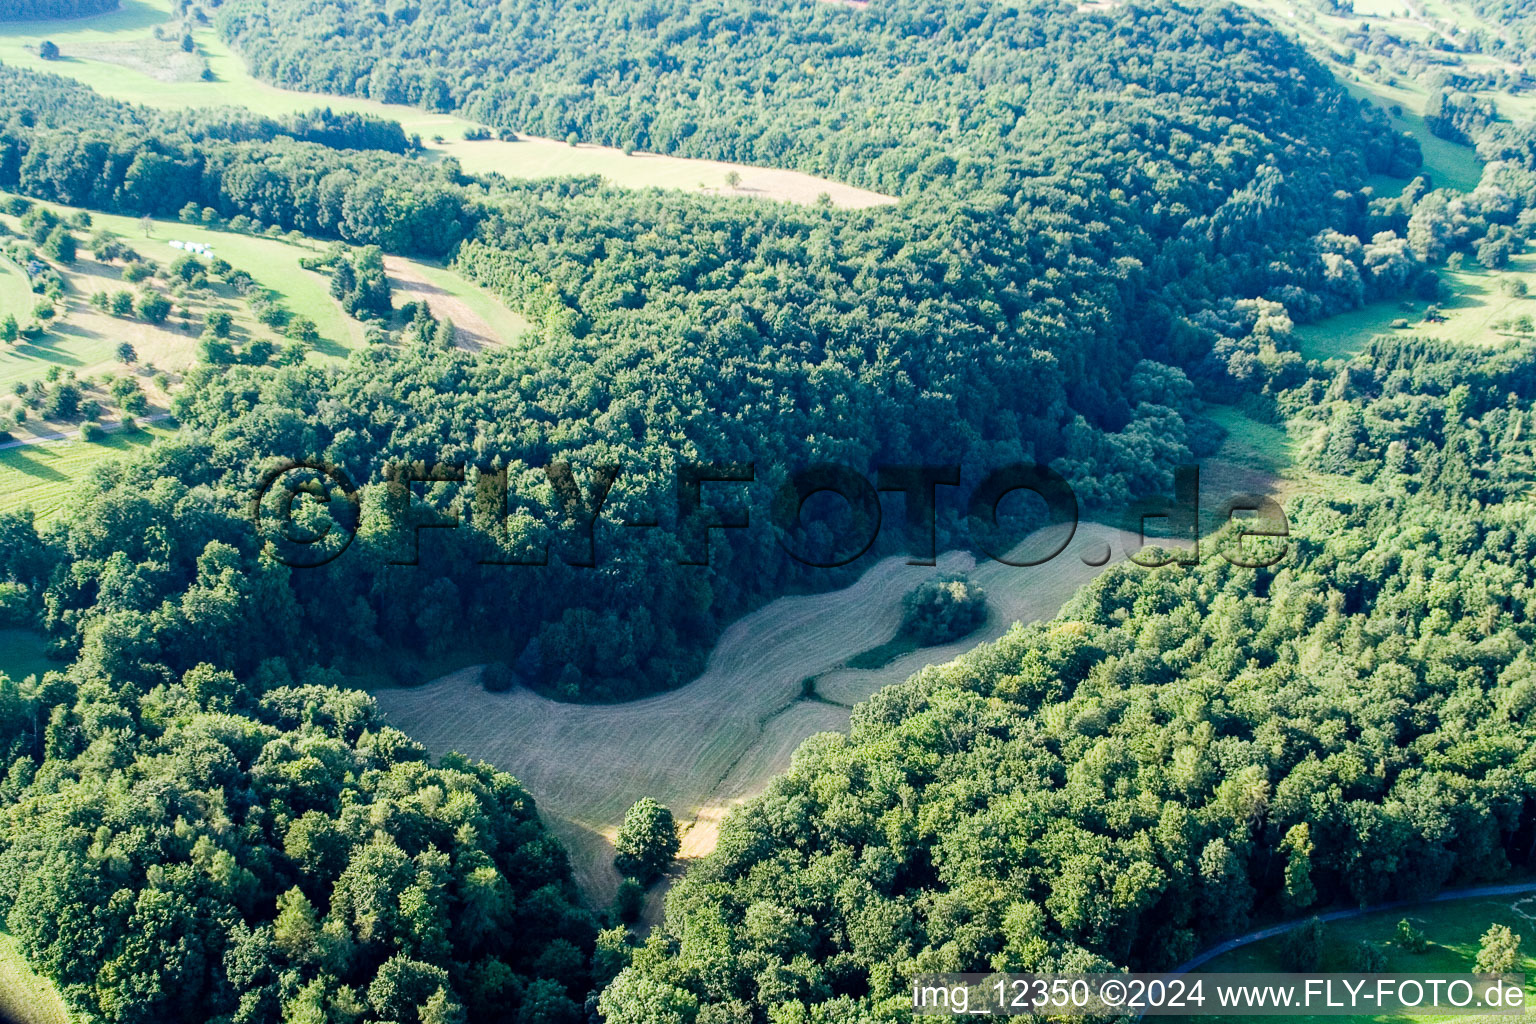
column 1499, row 951
column 137, row 271
column 302, row 329
column 153, row 307
column 497, row 677
column 629, row 901
column 1409, row 938
column 219, row 322
column 92, row 432
column 1302, row 947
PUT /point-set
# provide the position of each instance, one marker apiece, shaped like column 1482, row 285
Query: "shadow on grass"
column 22, row 461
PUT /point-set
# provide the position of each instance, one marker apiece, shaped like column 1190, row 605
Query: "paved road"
column 1480, row 892
column 69, row 435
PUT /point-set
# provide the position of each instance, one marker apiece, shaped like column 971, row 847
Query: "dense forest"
column 28, row 10
column 1181, row 752
column 881, row 97
column 1054, row 305
column 1106, row 220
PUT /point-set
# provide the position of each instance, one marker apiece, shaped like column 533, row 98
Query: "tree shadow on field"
column 23, row 461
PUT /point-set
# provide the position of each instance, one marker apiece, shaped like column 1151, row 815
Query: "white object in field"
column 197, row 248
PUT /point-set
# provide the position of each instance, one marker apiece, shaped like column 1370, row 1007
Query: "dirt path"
column 70, row 435
column 707, row 746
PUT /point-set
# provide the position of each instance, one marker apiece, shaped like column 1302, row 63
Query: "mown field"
column 1453, row 929
column 25, row 996
column 118, row 55
column 703, row 748
column 40, row 476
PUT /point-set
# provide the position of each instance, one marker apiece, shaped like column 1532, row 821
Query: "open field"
column 1481, row 314
column 479, row 320
column 25, row 996
column 40, row 476
column 1345, row 335
column 85, row 339
column 24, row 653
column 703, row 748
column 1453, row 929
column 1448, row 163
column 117, row 55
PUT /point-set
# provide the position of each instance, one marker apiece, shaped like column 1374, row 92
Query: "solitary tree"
column 647, row 842
column 1499, row 951
column 125, row 351
column 733, row 179
column 49, row 50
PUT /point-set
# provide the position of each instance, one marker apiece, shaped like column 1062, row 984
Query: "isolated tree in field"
column 943, row 609
column 497, row 677
column 647, row 842
column 9, row 329
column 1409, row 938
column 1302, row 947
column 302, row 329
column 153, row 307
column 1499, row 951
column 147, row 223
column 733, row 179
column 49, row 50
column 219, row 322
column 125, row 351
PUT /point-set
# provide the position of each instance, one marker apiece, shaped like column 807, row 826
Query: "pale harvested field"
column 479, row 320
column 705, row 747
column 534, row 157
column 116, row 54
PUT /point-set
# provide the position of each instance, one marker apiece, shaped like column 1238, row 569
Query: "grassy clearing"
column 24, row 653
column 1453, row 929
column 40, row 476
column 480, row 321
column 117, row 55
column 26, row 997
column 1484, row 309
column 1347, row 334
column 87, row 339
column 703, row 748
column 1483, row 313
column 1448, row 163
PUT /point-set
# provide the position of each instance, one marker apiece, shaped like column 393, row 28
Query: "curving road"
column 1478, row 892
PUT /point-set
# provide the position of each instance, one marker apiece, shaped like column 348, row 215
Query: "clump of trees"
column 943, row 609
